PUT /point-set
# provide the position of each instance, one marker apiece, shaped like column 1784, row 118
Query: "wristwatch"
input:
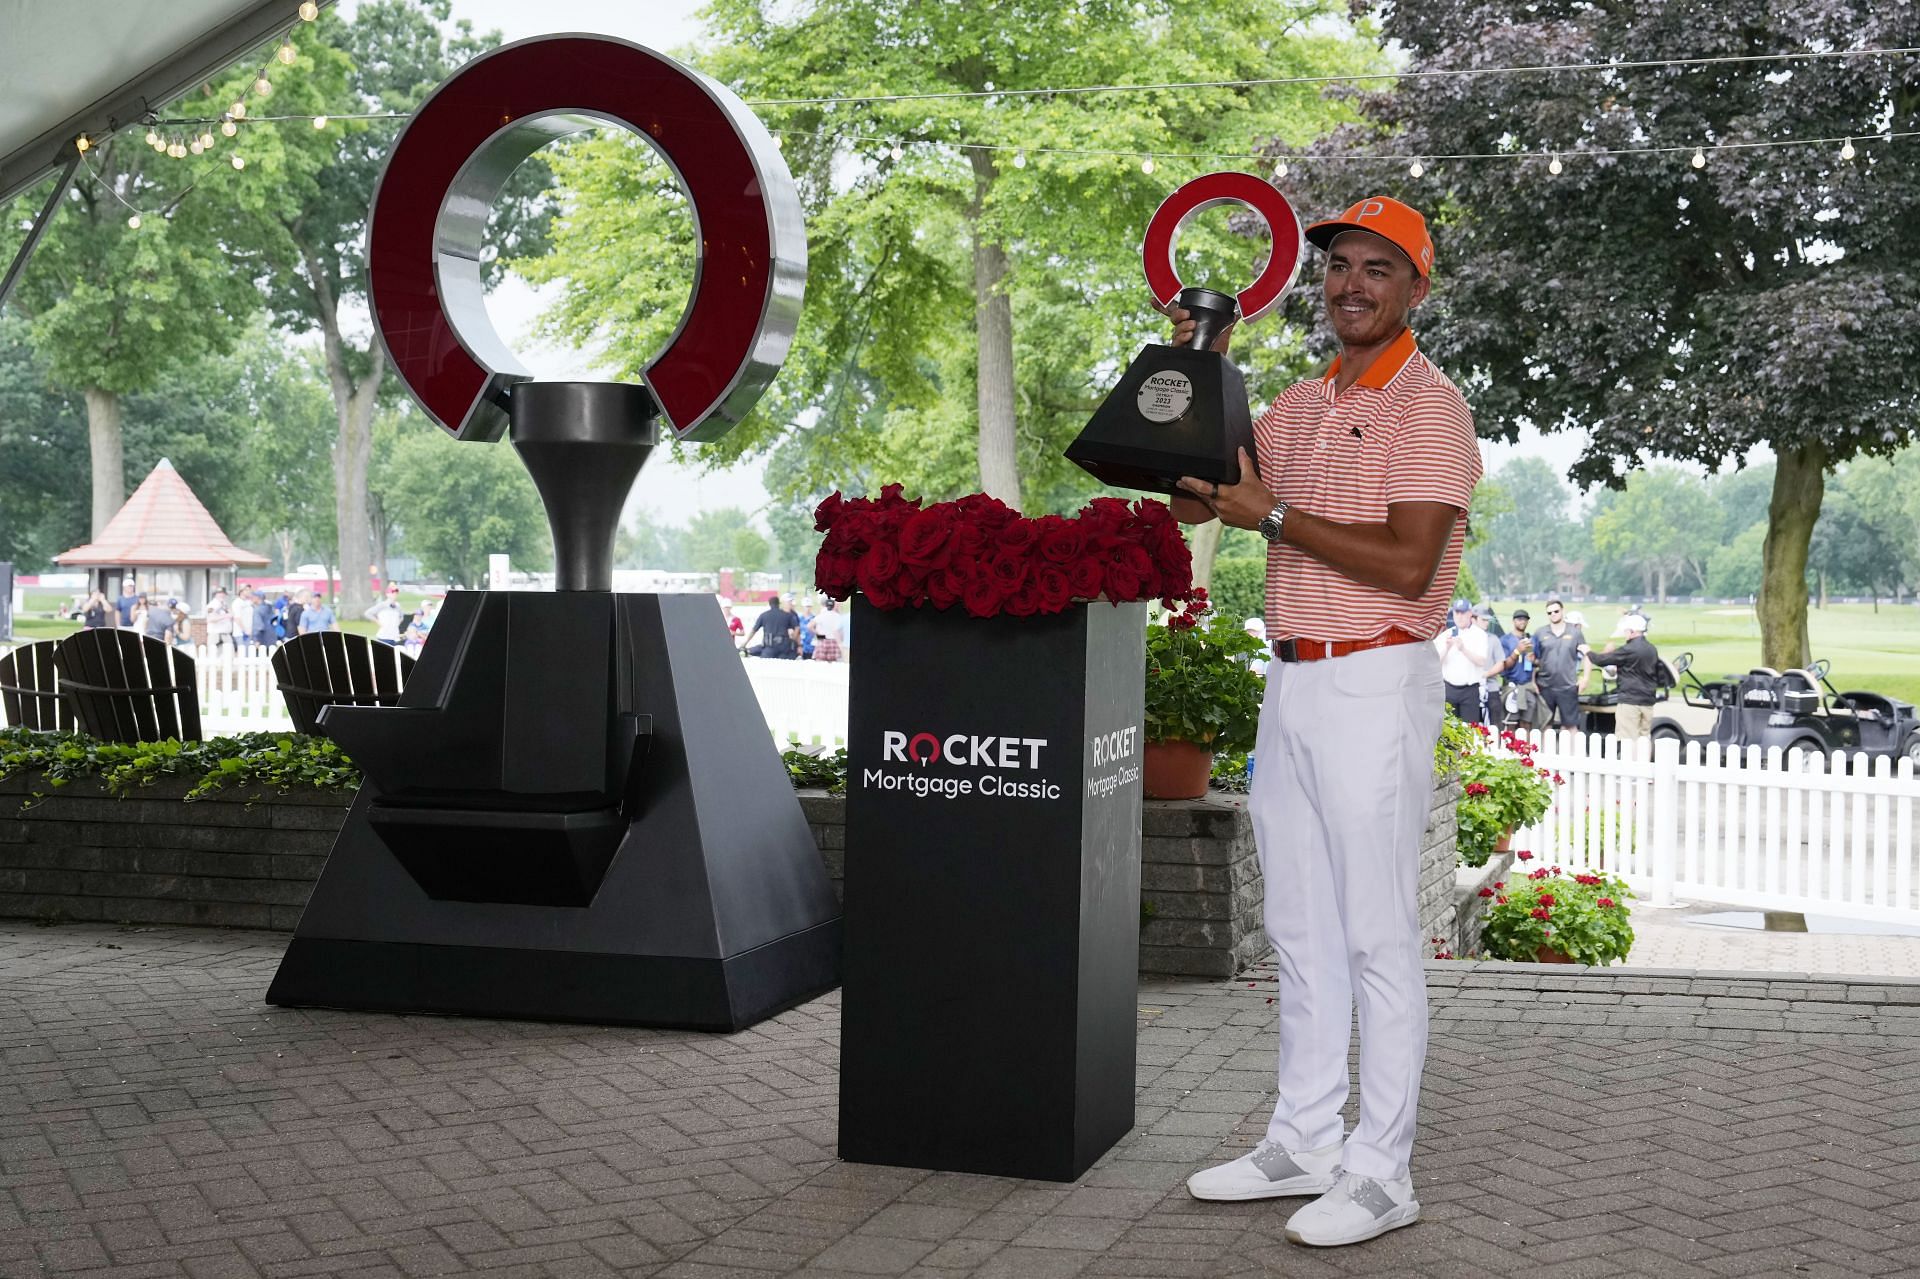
column 1270, row 523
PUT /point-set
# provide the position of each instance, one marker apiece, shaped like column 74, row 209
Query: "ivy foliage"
column 278, row 761
column 827, row 772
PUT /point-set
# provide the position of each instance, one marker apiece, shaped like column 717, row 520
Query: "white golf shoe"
column 1268, row 1171
column 1357, row 1208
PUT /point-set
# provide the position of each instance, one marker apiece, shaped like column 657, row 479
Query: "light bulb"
column 895, row 151
column 159, row 144
column 285, row 54
column 263, row 86
column 1555, row 167
column 196, row 148
column 206, row 141
column 1279, row 168
column 308, row 10
column 1846, row 151
column 319, row 122
column 1146, row 165
column 134, row 222
column 152, row 137
column 239, row 162
column 229, row 128
column 238, row 110
column 81, row 143
column 1415, row 169
column 1699, row 158
column 177, row 151
column 1019, row 159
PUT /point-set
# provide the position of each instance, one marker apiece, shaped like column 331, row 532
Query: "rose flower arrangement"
column 981, row 555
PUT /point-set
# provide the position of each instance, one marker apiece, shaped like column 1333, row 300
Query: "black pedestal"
column 992, row 889
column 576, row 813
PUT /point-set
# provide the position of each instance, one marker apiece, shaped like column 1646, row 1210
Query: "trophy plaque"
column 1183, row 410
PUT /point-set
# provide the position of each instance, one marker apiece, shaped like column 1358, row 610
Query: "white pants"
column 1339, row 800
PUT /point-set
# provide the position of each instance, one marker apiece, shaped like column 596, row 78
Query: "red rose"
column 825, row 513
column 945, row 587
column 1008, row 569
column 1017, row 535
column 1086, row 578
column 1055, row 591
column 884, row 595
column 983, row 597
column 1151, row 513
column 987, row 512
column 1024, row 602
column 877, row 569
column 1063, row 543
column 924, row 538
column 1122, row 583
column 1546, row 899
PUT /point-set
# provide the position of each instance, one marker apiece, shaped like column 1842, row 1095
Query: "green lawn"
column 1875, row 651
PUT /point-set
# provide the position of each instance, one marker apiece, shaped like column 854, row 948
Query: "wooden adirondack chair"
column 328, row 668
column 30, row 689
column 128, row 688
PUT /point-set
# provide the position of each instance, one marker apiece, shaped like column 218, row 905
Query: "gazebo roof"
column 163, row 523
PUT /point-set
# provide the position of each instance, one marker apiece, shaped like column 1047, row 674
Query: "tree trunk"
column 1799, row 482
column 109, row 462
column 1204, row 541
column 1660, row 583
column 993, row 324
column 285, row 537
column 380, row 529
column 353, row 405
column 1823, row 589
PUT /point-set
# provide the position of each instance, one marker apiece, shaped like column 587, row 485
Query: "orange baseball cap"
column 1394, row 222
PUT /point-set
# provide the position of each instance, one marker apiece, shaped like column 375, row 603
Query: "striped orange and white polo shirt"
column 1401, row 433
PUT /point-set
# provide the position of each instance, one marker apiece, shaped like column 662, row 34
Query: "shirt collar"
column 1384, row 369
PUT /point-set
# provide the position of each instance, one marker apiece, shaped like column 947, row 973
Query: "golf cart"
column 1795, row 710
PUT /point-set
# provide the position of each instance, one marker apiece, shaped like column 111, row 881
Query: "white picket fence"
column 802, row 701
column 1830, row 835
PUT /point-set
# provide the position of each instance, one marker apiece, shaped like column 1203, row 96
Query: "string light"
column 195, row 147
column 1416, row 169
column 1279, row 168
column 229, row 128
column 263, row 86
column 319, row 122
column 239, row 162
column 82, row 143
column 895, row 151
column 1555, row 167
column 134, row 222
column 1146, row 165
column 206, row 140
column 1019, row 159
column 152, row 137
column 286, row 54
column 1699, row 158
column 238, row 110
column 308, row 10
column 1846, row 151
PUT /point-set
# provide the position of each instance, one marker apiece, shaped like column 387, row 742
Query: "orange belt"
column 1312, row 650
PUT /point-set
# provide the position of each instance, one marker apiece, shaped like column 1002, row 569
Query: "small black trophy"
column 1183, row 410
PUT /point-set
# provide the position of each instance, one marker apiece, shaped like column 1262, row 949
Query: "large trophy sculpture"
column 576, row 811
column 1183, row 410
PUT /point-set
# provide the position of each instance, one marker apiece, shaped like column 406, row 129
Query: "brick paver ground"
column 1667, row 938
column 156, row 1119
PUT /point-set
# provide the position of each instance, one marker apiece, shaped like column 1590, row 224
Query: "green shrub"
column 1584, row 917
column 277, row 760
column 1238, row 588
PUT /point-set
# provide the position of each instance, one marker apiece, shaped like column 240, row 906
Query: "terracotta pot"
column 1548, row 955
column 1505, row 841
column 1175, row 770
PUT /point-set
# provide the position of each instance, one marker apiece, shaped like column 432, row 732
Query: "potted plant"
column 1553, row 917
column 1501, row 791
column 1202, row 697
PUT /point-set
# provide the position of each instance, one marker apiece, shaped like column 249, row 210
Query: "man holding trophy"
column 1361, row 488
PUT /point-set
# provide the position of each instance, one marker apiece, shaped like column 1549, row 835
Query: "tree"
column 645, row 542
column 969, row 303
column 1734, row 568
column 1887, row 495
column 43, row 451
column 1850, row 551
column 713, row 540
column 1518, row 546
column 1691, row 312
column 309, row 240
column 455, row 504
column 1663, row 524
column 114, row 307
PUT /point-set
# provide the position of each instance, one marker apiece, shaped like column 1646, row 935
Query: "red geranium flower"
column 1546, row 899
column 1541, row 914
column 1486, row 892
column 1524, row 856
column 1605, row 902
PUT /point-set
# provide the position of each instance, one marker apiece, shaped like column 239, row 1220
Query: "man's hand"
column 1242, row 505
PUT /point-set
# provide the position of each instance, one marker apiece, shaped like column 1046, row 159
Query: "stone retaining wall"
column 249, row 861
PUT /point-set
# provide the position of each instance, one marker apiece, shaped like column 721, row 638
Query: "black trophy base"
column 1176, row 412
column 668, row 991
column 576, row 813
column 989, row 1004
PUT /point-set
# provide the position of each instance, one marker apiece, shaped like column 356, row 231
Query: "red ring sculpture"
column 450, row 162
column 1163, row 232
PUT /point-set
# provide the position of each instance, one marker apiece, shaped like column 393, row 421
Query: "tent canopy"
column 95, row 66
